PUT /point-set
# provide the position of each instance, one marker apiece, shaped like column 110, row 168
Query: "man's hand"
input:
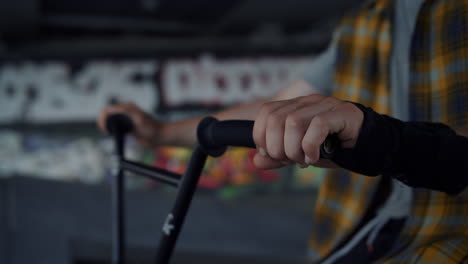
column 291, row 131
column 146, row 129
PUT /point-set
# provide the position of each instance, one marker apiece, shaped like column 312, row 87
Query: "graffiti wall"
column 209, row 81
column 54, row 91
column 59, row 92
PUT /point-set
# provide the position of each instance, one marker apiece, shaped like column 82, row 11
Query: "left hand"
column 291, row 131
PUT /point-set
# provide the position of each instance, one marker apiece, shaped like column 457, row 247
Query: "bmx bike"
column 213, row 139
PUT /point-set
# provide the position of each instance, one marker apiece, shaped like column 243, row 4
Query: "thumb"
column 345, row 120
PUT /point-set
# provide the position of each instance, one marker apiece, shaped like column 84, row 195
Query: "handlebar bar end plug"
column 205, row 137
column 119, row 124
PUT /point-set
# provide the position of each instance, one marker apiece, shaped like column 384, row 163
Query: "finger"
column 319, row 128
column 128, row 109
column 260, row 124
column 265, row 162
column 105, row 113
column 352, row 118
column 136, row 115
column 298, row 122
column 261, row 119
column 133, row 112
column 295, row 129
column 101, row 120
column 275, row 130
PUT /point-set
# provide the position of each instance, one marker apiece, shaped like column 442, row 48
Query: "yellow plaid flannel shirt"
column 436, row 231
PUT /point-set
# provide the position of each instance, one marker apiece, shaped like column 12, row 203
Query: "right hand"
column 146, row 129
column 291, row 131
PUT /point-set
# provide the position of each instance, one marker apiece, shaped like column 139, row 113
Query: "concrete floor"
column 53, row 222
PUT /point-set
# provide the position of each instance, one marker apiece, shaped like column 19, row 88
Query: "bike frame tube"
column 187, row 184
column 118, row 204
column 153, row 173
column 176, row 217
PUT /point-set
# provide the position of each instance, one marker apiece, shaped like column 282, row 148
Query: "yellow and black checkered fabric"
column 436, row 230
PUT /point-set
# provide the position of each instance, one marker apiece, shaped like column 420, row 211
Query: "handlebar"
column 215, row 136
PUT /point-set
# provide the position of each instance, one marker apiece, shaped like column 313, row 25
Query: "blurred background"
column 61, row 62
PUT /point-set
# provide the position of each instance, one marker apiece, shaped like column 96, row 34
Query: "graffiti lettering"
column 210, row 81
column 59, row 94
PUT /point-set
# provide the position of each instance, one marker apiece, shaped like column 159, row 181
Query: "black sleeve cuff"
column 428, row 155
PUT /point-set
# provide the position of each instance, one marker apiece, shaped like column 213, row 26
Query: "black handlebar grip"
column 214, row 136
column 119, row 124
column 236, row 133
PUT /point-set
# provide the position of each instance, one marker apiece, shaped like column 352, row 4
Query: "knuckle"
column 123, row 105
column 294, row 120
column 309, row 98
column 346, row 106
column 318, row 120
column 267, row 108
column 316, row 97
column 135, row 108
column 352, row 108
column 274, row 118
column 330, row 100
column 129, row 107
column 138, row 119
